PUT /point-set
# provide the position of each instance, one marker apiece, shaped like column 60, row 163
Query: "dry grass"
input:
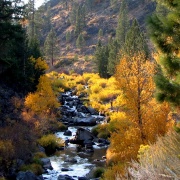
column 161, row 161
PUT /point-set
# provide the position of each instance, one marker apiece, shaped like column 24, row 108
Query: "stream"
column 76, row 162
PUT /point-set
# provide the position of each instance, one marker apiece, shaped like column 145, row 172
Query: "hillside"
column 102, row 15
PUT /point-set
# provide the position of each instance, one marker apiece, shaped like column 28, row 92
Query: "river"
column 74, row 162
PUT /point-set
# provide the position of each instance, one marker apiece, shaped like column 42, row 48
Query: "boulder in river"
column 64, row 177
column 82, row 137
column 28, row 175
column 67, row 133
column 87, row 121
column 71, row 160
column 46, row 163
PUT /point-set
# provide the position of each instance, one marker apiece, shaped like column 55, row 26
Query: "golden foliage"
column 141, row 119
column 40, row 63
column 135, row 78
column 44, row 99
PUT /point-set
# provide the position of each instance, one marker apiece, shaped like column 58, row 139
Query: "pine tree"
column 73, row 13
column 80, row 19
column 80, row 42
column 50, row 46
column 135, row 41
column 89, row 4
column 165, row 34
column 100, row 33
column 34, row 48
column 113, row 59
column 15, row 49
column 31, row 18
column 123, row 24
column 68, row 36
column 101, row 58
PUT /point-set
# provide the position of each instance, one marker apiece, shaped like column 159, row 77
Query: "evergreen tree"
column 68, row 36
column 80, row 19
column 50, row 47
column 31, row 18
column 123, row 23
column 14, row 50
column 34, row 48
column 89, row 4
column 135, row 41
column 101, row 58
column 113, row 59
column 165, row 34
column 73, row 13
column 100, row 33
column 80, row 42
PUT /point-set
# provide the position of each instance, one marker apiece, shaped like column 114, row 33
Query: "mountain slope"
column 103, row 15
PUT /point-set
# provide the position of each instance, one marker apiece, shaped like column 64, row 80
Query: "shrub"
column 114, row 172
column 35, row 168
column 37, row 157
column 98, row 172
column 95, row 130
column 101, row 131
column 50, row 142
column 60, row 84
column 103, row 134
column 158, row 161
column 44, row 99
column 6, row 153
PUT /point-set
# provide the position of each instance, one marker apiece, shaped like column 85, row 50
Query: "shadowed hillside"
column 103, row 14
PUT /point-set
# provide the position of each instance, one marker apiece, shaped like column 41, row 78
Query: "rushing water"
column 85, row 161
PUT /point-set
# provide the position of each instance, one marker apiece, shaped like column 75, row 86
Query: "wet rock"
column 92, row 111
column 67, row 133
column 87, row 121
column 46, row 163
column 82, row 178
column 64, row 177
column 66, row 169
column 82, row 108
column 41, row 149
column 103, row 141
column 83, row 137
column 28, row 175
column 72, row 160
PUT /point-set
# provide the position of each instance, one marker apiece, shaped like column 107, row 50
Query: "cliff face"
column 101, row 15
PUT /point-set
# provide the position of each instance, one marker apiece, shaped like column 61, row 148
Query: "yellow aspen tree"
column 44, row 99
column 135, row 78
column 141, row 118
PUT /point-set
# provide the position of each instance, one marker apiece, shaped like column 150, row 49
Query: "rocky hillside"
column 102, row 15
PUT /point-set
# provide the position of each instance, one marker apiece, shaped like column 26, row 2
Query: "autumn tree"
column 44, row 99
column 141, row 118
column 164, row 31
column 135, row 78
